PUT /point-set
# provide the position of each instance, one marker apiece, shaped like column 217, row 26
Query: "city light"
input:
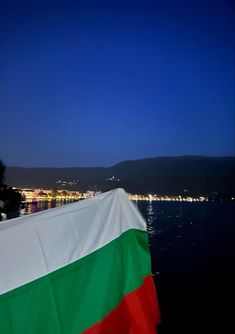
column 31, row 195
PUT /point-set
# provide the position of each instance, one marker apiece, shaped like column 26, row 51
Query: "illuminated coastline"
column 31, row 195
column 167, row 198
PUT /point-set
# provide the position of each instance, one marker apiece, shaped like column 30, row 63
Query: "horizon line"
column 123, row 161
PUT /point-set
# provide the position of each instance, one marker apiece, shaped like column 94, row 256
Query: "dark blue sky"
column 92, row 83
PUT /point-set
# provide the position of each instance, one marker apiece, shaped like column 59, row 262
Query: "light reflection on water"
column 44, row 205
column 150, row 218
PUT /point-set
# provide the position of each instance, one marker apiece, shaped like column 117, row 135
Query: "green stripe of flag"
column 77, row 296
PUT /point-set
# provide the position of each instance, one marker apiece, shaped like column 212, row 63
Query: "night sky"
column 93, row 83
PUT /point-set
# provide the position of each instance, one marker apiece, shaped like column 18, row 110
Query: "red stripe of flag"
column 138, row 313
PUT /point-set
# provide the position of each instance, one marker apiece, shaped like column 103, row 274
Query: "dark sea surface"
column 193, row 257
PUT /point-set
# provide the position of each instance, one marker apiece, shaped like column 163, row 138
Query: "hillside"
column 162, row 175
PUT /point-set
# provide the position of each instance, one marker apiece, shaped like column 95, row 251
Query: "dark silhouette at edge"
column 10, row 199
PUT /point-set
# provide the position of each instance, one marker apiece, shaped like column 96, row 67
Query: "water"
column 193, row 252
column 43, row 205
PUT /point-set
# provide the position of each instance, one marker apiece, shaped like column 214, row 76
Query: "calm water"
column 193, row 252
column 43, row 205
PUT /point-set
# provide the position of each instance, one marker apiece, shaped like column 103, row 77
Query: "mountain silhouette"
column 192, row 175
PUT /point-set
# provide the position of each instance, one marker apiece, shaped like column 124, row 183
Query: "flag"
column 80, row 268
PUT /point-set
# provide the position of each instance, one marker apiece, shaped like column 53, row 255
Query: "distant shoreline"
column 32, row 196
